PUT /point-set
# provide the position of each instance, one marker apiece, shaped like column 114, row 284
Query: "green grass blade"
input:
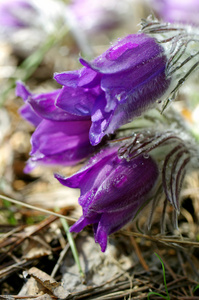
column 165, row 283
column 72, row 246
column 156, row 294
column 164, row 275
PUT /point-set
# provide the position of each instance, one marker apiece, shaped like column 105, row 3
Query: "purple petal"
column 22, row 91
column 94, row 165
column 125, row 54
column 85, row 78
column 26, row 110
column 114, row 184
column 100, row 120
column 54, row 137
column 60, row 143
column 129, row 98
column 83, row 222
column 44, row 106
column 77, row 101
column 29, row 115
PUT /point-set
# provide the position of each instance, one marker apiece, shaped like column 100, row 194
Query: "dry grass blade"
column 169, row 241
column 37, row 208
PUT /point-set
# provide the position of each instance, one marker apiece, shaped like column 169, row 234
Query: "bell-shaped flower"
column 59, row 138
column 135, row 74
column 118, row 85
column 113, row 191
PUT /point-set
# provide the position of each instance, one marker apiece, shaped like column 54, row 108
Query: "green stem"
column 165, row 283
column 164, row 276
column 72, row 246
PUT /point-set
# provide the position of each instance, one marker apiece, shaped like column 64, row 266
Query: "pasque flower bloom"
column 59, row 138
column 112, row 191
column 116, row 86
column 122, row 178
column 130, row 77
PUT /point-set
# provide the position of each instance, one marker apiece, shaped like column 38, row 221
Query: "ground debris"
column 42, row 283
column 118, row 273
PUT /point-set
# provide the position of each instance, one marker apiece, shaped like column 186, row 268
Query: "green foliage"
column 10, row 216
column 165, row 283
column 196, row 288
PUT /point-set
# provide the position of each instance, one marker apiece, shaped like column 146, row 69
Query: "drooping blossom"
column 183, row 11
column 116, row 86
column 137, row 73
column 121, row 179
column 59, row 138
column 112, row 191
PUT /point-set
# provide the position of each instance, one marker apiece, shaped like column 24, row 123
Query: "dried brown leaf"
column 36, row 248
column 49, row 283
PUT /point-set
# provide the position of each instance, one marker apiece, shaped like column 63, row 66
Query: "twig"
column 139, row 254
column 165, row 240
column 61, row 257
column 37, row 228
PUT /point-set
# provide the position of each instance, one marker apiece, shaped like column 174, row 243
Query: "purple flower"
column 15, row 13
column 112, row 191
column 59, row 138
column 183, row 11
column 117, row 86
